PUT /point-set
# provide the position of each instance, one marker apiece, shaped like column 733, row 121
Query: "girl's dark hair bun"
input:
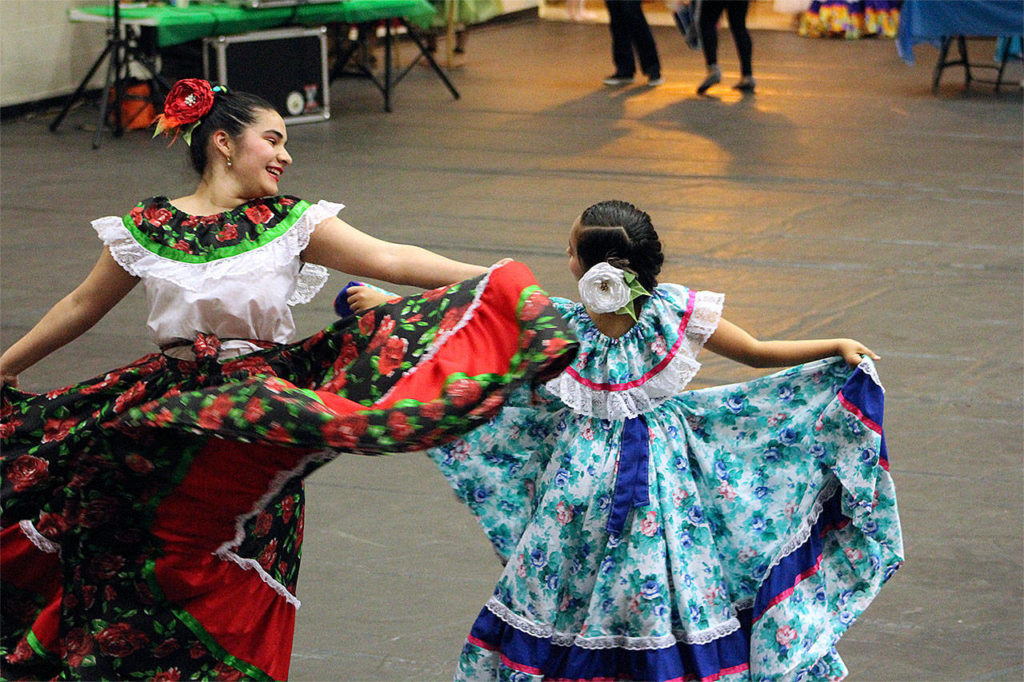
column 622, row 235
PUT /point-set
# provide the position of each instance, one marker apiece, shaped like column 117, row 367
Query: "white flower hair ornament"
column 605, row 288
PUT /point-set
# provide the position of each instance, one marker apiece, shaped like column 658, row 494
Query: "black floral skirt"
column 152, row 517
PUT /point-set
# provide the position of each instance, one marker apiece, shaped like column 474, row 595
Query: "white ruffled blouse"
column 619, row 378
column 234, row 274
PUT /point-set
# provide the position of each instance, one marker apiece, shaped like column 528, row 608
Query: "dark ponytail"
column 622, row 235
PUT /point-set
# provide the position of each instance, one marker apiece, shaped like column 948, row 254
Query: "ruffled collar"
column 623, row 377
column 277, row 242
column 172, row 233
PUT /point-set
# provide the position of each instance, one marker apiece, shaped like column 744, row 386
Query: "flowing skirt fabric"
column 757, row 523
column 152, row 517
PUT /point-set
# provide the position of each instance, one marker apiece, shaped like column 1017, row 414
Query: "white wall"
column 42, row 54
column 516, row 5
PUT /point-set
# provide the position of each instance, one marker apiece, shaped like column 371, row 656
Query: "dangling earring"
column 229, row 162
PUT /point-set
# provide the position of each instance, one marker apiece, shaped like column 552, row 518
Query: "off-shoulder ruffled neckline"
column 164, row 202
column 579, row 312
column 143, row 248
column 614, row 378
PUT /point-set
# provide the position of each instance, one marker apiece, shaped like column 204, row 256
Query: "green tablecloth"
column 175, row 25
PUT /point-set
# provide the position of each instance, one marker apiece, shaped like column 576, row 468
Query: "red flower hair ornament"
column 188, row 101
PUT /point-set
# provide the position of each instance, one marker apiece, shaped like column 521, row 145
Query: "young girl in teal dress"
column 730, row 533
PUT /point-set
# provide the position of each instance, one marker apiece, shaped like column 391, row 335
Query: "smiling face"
column 258, row 155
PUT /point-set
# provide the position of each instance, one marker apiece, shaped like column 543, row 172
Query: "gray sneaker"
column 616, row 79
column 713, row 78
column 746, row 84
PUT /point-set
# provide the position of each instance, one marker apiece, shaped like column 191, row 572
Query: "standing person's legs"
column 708, row 13
column 622, row 44
column 737, row 13
column 642, row 39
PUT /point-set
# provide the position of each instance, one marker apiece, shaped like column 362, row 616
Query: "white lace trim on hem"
column 140, row 262
column 226, row 552
column 800, row 536
column 867, row 366
column 253, row 565
column 42, row 543
column 609, row 641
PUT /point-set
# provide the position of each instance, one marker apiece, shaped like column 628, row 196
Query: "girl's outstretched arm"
column 101, row 290
column 337, row 245
column 736, row 344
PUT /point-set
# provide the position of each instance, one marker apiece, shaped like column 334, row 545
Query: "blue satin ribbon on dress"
column 631, row 477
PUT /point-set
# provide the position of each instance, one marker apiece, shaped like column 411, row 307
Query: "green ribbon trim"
column 38, row 647
column 172, row 253
column 149, row 572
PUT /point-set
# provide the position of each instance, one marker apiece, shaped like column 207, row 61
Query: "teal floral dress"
column 731, row 533
column 151, row 518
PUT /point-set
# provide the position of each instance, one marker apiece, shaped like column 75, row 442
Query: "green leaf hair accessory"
column 186, row 133
column 605, row 288
column 636, row 290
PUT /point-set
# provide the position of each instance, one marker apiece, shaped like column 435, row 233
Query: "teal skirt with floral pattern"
column 730, row 533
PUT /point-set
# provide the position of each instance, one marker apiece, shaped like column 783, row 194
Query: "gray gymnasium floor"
column 842, row 199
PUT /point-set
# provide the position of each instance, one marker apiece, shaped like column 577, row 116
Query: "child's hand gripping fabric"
column 357, row 297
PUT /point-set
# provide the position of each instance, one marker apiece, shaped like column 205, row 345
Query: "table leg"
column 424, row 52
column 961, row 42
column 113, row 77
column 450, row 33
column 390, row 79
column 1002, row 56
column 941, row 63
column 387, row 65
column 81, row 88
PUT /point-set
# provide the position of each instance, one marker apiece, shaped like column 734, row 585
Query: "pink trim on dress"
column 782, row 596
column 860, row 415
column 571, row 371
column 528, row 669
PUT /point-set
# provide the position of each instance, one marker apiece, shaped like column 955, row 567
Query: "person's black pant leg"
column 708, row 14
column 643, row 39
column 622, row 42
column 737, row 13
